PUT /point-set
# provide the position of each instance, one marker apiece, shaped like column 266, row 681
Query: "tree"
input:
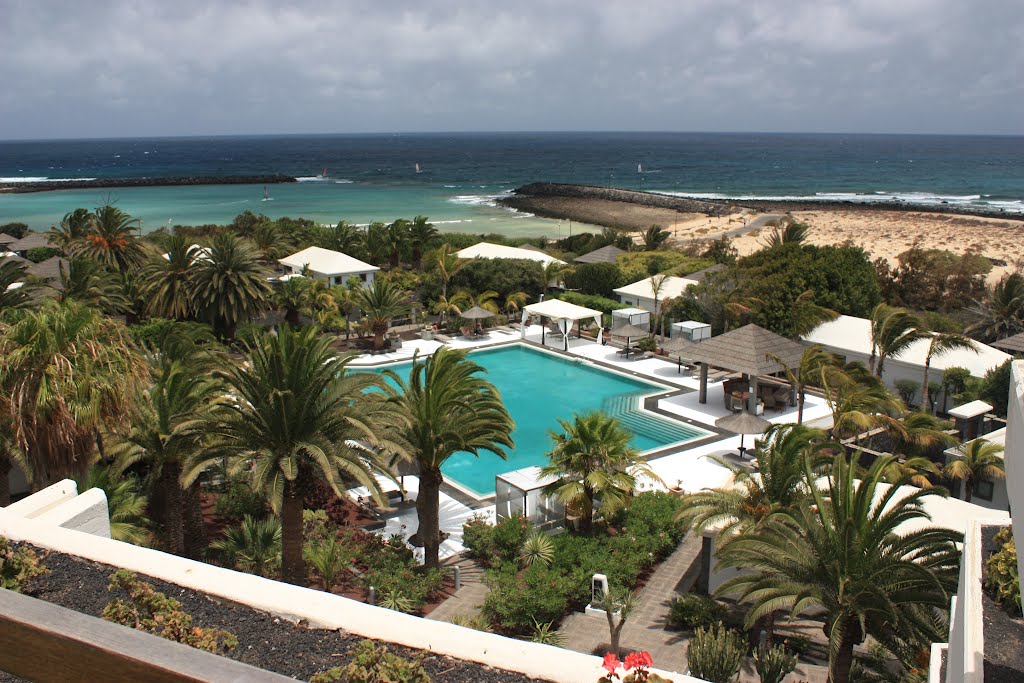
column 294, row 297
column 252, row 546
column 921, row 433
column 126, row 506
column 12, row 272
column 11, row 456
column 421, row 232
column 552, row 273
column 448, row 264
column 342, row 237
column 975, row 461
column 618, row 604
column 859, row 402
column 294, row 414
column 380, row 302
column 596, row 278
column 230, row 284
column 807, row 316
column 166, row 433
column 514, row 302
column 792, row 232
column 592, row 458
column 449, row 407
column 66, row 372
column 398, row 239
column 657, row 285
column 73, row 227
column 86, row 281
column 110, row 240
column 893, row 330
column 940, row 343
column 654, row 237
column 167, row 278
column 814, row 363
column 1001, row 313
column 751, row 500
column 844, row 553
column 376, row 242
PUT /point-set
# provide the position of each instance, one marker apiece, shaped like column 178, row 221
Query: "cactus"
column 716, row 654
column 773, row 663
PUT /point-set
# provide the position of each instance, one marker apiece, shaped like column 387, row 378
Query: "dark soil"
column 264, row 641
column 1004, row 631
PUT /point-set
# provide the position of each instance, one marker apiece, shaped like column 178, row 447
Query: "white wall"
column 1013, row 455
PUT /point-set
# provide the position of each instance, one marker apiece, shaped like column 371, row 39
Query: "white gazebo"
column 520, row 493
column 563, row 312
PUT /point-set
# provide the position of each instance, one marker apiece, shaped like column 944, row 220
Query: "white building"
column 333, row 266
column 850, row 337
column 489, row 250
column 641, row 294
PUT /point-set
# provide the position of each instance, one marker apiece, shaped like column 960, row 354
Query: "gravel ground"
column 263, row 640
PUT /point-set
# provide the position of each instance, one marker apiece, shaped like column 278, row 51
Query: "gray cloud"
column 146, row 68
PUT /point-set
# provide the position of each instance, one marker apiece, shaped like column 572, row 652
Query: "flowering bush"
column 635, row 667
column 518, row 600
column 493, row 544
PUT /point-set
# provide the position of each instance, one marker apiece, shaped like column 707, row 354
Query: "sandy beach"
column 881, row 233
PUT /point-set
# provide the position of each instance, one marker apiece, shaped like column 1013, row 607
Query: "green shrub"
column 494, row 544
column 773, row 663
column 1001, row 573
column 18, row 566
column 518, row 600
column 40, row 254
column 638, row 265
column 600, row 279
column 599, row 303
column 252, row 546
column 652, row 513
column 907, row 389
column 692, row 611
column 239, row 500
column 389, row 567
column 995, row 387
column 716, row 654
column 148, row 610
column 372, row 663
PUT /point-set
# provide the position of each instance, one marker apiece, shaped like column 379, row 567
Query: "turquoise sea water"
column 538, row 388
column 374, row 177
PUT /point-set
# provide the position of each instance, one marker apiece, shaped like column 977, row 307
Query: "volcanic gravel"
column 264, row 641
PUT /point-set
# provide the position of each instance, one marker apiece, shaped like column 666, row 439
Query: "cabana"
column 751, row 350
column 521, row 494
column 563, row 312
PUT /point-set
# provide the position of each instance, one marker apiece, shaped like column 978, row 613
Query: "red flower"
column 611, row 662
column 635, row 660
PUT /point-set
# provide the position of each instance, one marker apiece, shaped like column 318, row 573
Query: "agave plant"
column 537, row 548
column 546, row 634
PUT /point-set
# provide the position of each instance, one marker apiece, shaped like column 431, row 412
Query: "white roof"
column 326, row 262
column 947, row 513
column 527, row 478
column 670, row 289
column 969, row 410
column 556, row 308
column 489, row 250
column 198, row 253
column 850, row 334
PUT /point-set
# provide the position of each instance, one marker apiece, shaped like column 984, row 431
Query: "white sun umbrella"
column 743, row 423
column 477, row 313
column 629, row 332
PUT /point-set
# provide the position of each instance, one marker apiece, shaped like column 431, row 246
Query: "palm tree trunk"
column 293, row 568
column 924, row 384
column 5, row 481
column 968, row 489
column 587, row 523
column 195, row 528
column 839, row 670
column 427, row 503
column 614, row 630
column 173, row 513
column 801, row 397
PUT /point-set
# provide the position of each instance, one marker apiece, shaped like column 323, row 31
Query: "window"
column 337, row 279
column 362, row 276
column 984, row 489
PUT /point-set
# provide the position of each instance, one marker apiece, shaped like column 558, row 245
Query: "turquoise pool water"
column 538, row 388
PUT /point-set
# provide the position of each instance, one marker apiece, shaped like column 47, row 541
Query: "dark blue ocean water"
column 371, row 177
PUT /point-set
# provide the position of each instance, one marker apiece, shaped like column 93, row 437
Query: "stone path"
column 468, row 600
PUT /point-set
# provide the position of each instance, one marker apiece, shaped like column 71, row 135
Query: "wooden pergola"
column 750, row 350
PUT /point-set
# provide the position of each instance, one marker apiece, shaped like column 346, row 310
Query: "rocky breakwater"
column 611, row 207
column 49, row 186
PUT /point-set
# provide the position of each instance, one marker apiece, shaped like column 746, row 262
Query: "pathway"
column 468, row 600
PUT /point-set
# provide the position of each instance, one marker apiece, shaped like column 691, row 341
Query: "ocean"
column 455, row 178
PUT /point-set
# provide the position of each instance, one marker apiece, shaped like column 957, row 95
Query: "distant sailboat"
column 323, row 174
column 639, row 168
column 266, row 195
column 418, row 167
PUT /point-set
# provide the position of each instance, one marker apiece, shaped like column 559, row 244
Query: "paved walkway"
column 468, row 600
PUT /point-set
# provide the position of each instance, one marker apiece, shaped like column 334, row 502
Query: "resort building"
column 850, row 337
column 333, row 266
column 489, row 251
column 641, row 294
column 33, row 240
column 607, row 254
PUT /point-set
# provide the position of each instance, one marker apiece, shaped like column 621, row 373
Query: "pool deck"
column 690, row 466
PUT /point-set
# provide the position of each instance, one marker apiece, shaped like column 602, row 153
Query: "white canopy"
column 490, row 250
column 562, row 311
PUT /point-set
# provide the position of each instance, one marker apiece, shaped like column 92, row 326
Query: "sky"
column 123, row 68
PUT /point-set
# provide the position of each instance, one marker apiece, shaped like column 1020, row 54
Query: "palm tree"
column 450, row 408
column 593, row 458
column 921, row 433
column 11, row 456
column 657, row 285
column 553, row 272
column 86, row 281
column 454, row 306
column 487, row 300
column 859, row 402
column 110, row 240
column 166, row 432
column 654, row 237
column 376, row 243
column 893, row 330
column 380, row 302
column 252, row 546
column 806, row 315
column 344, row 297
column 343, row 237
column 792, row 232
column 844, row 553
column 271, row 242
column 448, row 264
column 1002, row 312
column 940, row 343
column 73, row 227
column 814, row 363
column 126, row 506
column 294, row 415
column 751, row 500
column 12, row 272
column 398, row 235
column 294, row 296
column 514, row 302
column 976, row 460
column 230, row 285
column 420, row 234
column 66, row 371
column 167, row 278
column 917, row 471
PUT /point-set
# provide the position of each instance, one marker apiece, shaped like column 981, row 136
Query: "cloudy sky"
column 123, row 68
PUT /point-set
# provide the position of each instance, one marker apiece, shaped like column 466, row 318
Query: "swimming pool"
column 538, row 388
